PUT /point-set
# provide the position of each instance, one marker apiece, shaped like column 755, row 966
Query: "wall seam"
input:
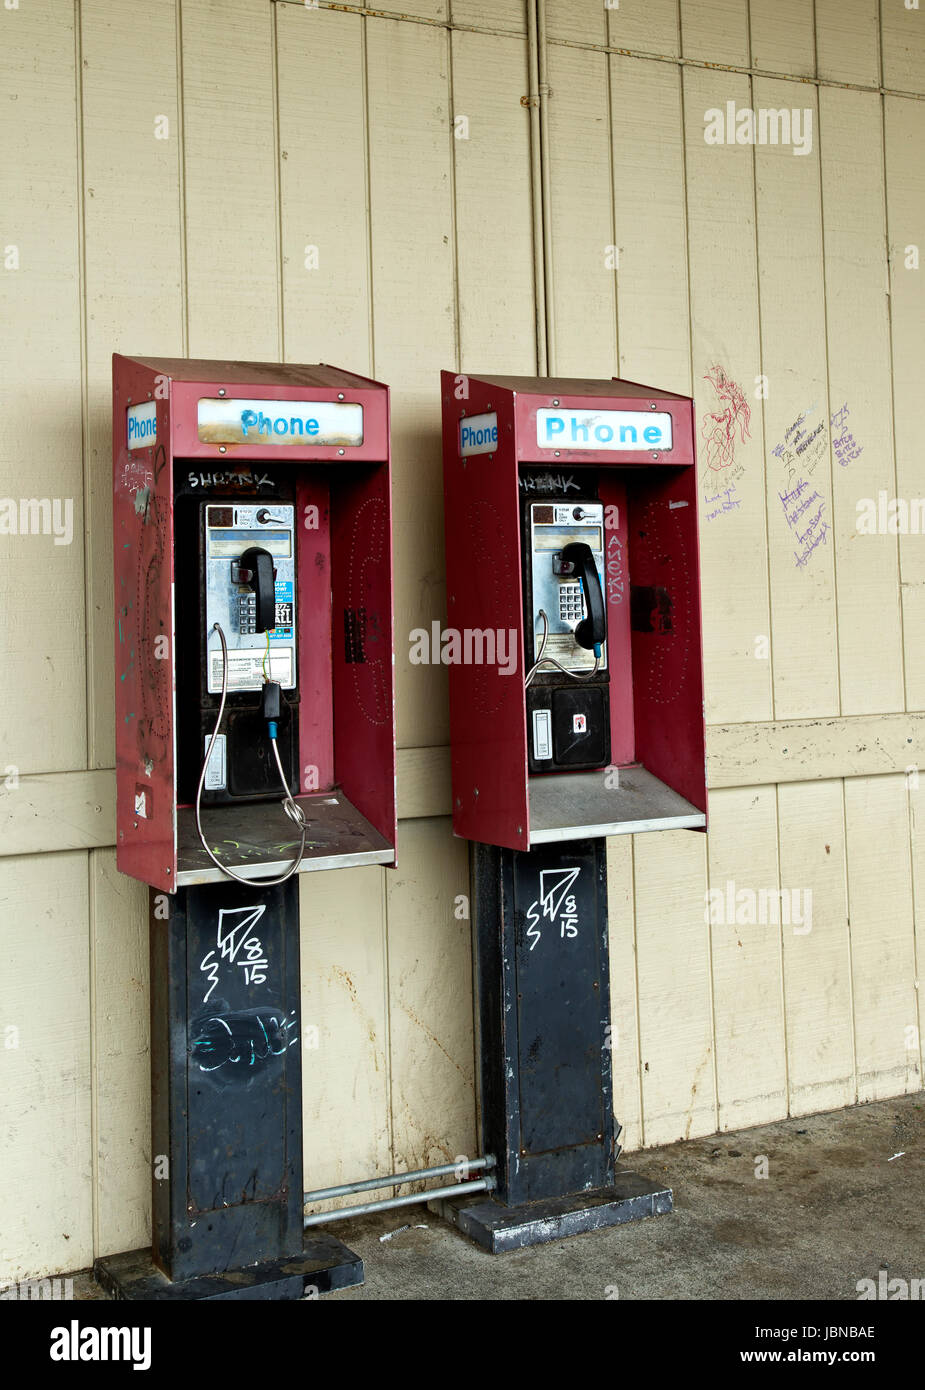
column 88, row 608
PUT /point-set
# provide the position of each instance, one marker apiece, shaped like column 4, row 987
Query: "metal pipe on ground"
column 470, row 1165
column 456, row 1189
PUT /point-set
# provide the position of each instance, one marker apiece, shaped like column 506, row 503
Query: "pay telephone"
column 566, row 658
column 238, row 648
column 237, row 632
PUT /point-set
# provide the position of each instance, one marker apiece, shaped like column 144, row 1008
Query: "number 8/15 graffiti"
column 556, row 902
column 235, row 944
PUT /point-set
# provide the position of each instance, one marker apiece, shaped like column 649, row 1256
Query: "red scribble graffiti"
column 719, row 430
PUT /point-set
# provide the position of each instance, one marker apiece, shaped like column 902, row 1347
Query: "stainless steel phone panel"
column 232, row 528
column 554, row 525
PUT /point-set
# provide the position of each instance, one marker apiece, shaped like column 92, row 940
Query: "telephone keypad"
column 247, row 612
column 571, row 606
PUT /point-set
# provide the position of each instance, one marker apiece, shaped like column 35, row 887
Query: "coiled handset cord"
column 292, row 808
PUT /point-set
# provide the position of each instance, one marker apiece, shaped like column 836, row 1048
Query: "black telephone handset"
column 256, row 569
column 591, row 632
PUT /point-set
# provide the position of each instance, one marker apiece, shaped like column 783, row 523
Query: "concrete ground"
column 843, row 1198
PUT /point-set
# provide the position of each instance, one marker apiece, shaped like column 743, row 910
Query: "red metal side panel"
column 612, row 491
column 363, row 645
column 488, row 726
column 316, row 706
column 667, row 644
column 144, row 635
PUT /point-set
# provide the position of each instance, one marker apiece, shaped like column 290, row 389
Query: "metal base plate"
column 326, row 1264
column 499, row 1228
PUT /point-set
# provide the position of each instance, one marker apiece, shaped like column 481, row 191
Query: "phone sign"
column 325, row 424
column 141, row 423
column 478, row 434
column 626, row 430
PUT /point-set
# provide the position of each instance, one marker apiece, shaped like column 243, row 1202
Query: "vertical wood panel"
column 121, row 1058
column 724, row 328
column 134, row 303
column 856, row 287
column 624, row 1003
column 647, row 140
column 345, row 1076
column 133, row 259
column 903, row 39
column 905, row 188
column 230, row 179
column 576, row 20
column 584, row 287
column 672, row 944
column 817, row 970
column 410, row 138
column 326, row 311
column 882, row 936
column 804, row 652
column 494, row 227
column 847, row 41
column 43, row 613
column 782, row 39
column 491, row 14
column 45, row 1140
column 647, row 26
column 747, row 1000
column 715, row 30
column 916, row 796
column 430, row 998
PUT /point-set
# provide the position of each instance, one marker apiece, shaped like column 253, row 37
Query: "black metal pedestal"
column 542, row 970
column 227, row 1106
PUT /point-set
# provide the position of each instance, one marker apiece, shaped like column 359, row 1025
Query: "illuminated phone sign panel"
column 328, row 424
column 626, row 430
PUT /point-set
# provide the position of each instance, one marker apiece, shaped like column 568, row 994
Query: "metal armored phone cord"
column 292, row 809
column 542, row 660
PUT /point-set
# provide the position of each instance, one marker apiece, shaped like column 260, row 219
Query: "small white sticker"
column 579, row 724
column 215, row 772
column 542, row 734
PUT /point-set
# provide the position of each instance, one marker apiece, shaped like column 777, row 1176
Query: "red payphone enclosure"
column 496, row 431
column 176, row 414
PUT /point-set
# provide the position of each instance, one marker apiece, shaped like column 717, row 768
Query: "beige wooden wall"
column 290, row 127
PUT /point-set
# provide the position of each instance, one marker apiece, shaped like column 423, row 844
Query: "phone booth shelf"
column 505, row 437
